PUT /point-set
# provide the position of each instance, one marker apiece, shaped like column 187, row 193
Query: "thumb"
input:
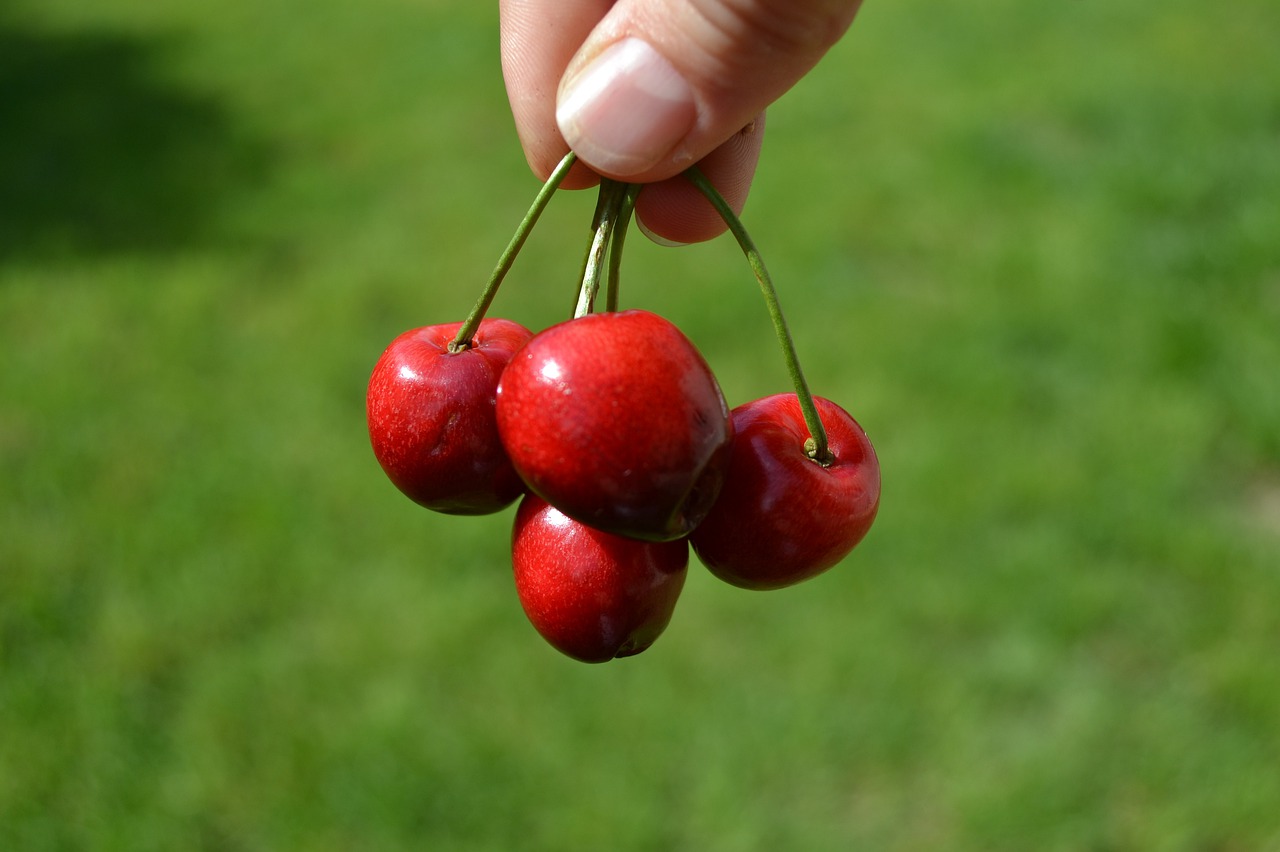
column 659, row 84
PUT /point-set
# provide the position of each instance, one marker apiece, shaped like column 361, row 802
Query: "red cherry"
column 593, row 595
column 431, row 417
column 782, row 517
column 617, row 420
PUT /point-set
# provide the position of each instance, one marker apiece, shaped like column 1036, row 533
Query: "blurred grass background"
column 1034, row 248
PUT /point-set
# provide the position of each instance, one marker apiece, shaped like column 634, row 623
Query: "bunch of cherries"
column 613, row 432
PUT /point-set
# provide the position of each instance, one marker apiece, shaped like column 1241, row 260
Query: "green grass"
column 1034, row 248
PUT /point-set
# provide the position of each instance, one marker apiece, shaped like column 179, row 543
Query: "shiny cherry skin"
column 431, row 417
column 593, row 595
column 616, row 420
column 782, row 517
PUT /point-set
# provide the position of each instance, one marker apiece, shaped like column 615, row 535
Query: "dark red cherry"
column 431, row 417
column 617, row 420
column 782, row 517
column 593, row 595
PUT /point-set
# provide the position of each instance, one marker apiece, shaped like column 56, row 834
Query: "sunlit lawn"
column 1034, row 248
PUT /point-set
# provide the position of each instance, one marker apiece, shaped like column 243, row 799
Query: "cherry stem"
column 816, row 446
column 608, row 206
column 615, row 248
column 468, row 331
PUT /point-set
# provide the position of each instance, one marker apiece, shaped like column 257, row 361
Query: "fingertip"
column 674, row 211
column 537, row 40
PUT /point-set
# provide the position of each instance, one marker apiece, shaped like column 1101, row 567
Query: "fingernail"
column 656, row 237
column 626, row 111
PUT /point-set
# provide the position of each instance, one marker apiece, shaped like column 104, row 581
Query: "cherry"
column 616, row 419
column 783, row 517
column 593, row 595
column 431, row 417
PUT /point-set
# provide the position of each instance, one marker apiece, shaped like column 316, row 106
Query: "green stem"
column 540, row 201
column 627, row 207
column 816, row 446
column 610, row 201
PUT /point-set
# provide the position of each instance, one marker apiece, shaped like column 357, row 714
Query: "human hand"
column 643, row 89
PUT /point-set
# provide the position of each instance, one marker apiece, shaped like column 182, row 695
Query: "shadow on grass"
column 100, row 153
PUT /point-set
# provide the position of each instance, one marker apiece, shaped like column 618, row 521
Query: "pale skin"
column 643, row 89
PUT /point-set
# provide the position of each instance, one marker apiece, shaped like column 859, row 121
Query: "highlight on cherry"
column 611, row 431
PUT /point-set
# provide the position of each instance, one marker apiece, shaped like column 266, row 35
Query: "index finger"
column 538, row 38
